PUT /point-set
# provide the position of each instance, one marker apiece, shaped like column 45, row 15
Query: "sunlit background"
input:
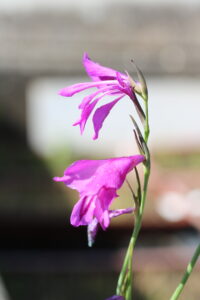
column 42, row 43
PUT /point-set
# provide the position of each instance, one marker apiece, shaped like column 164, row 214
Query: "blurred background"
column 42, row 43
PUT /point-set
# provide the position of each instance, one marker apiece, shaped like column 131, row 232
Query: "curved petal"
column 97, row 72
column 89, row 176
column 112, row 172
column 118, row 212
column 104, row 199
column 79, row 87
column 83, row 211
column 100, row 115
column 93, row 227
column 86, row 100
column 88, row 108
column 110, row 89
column 79, row 174
column 121, row 80
column 85, row 115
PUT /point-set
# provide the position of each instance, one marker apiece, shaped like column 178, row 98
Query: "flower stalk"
column 187, row 274
column 124, row 286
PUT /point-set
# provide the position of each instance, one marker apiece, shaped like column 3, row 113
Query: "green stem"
column 186, row 275
column 124, row 286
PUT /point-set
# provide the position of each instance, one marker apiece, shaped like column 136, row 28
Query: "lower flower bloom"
column 97, row 182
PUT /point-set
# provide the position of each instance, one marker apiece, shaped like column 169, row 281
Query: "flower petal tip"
column 85, row 56
column 76, row 123
column 62, row 93
column 56, row 178
column 95, row 137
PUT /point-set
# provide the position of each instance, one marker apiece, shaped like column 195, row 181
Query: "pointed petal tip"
column 63, row 93
column 85, row 55
column 81, row 131
column 60, row 92
column 60, row 179
column 74, row 223
column 82, row 127
column 76, row 123
column 95, row 137
column 56, row 178
column 85, row 58
column 104, row 226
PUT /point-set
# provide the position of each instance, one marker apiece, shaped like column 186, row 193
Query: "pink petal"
column 121, row 79
column 100, row 115
column 88, row 108
column 78, row 87
column 85, row 115
column 79, row 174
column 118, row 212
column 103, row 201
column 89, row 176
column 97, row 72
column 82, row 213
column 86, row 100
column 111, row 89
column 60, row 179
column 94, row 225
column 112, row 172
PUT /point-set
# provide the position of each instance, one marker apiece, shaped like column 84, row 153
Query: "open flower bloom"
column 97, row 182
column 108, row 82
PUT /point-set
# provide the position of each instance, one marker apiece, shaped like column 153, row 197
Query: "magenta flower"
column 97, row 182
column 108, row 82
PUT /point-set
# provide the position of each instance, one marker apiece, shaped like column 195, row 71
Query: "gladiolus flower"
column 108, row 82
column 97, row 182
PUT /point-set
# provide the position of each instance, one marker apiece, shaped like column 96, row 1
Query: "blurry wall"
column 163, row 39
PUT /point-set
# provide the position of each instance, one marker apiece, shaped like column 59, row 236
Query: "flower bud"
column 141, row 86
